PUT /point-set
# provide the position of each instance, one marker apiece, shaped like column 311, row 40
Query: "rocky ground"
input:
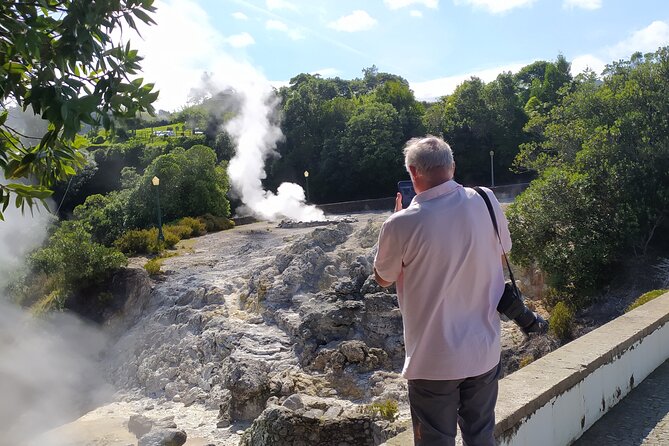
column 264, row 334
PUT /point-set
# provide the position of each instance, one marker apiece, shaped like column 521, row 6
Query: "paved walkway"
column 641, row 418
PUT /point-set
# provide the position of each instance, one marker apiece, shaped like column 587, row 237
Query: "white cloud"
column 415, row 13
column 648, row 39
column 240, row 16
column 582, row 4
column 397, row 4
column 326, row 72
column 240, row 40
column 580, row 63
column 175, row 76
column 358, row 20
column 645, row 40
column 436, row 88
column 277, row 25
column 496, row 6
column 280, row 4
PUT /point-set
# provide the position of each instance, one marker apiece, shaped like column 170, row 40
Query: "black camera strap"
column 488, row 204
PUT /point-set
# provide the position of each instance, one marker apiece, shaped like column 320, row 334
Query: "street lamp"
column 492, row 169
column 156, row 182
column 306, row 178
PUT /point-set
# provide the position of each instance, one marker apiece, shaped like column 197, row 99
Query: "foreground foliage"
column 59, row 60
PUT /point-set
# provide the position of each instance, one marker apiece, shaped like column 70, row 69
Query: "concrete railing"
column 558, row 397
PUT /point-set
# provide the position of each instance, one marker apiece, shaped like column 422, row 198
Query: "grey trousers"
column 436, row 406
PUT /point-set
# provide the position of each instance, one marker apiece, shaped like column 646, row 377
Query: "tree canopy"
column 59, row 60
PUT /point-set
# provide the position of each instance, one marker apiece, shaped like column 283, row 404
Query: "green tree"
column 372, row 146
column 58, row 59
column 191, row 184
column 602, row 155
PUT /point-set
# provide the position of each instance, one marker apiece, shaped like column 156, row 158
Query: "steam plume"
column 48, row 368
column 256, row 136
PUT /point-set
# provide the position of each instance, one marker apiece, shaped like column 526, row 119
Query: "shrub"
column 170, row 240
column 74, row 259
column 561, row 321
column 525, row 361
column 180, row 231
column 137, row 241
column 644, row 298
column 213, row 223
column 153, row 266
column 197, row 226
column 145, row 241
column 388, row 409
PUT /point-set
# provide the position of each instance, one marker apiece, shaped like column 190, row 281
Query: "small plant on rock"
column 561, row 321
column 387, row 410
column 153, row 266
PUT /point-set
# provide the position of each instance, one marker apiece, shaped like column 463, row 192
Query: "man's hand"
column 398, row 205
column 539, row 326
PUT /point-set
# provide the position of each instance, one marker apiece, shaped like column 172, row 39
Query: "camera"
column 512, row 306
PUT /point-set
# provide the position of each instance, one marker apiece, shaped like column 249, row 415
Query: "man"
column 444, row 256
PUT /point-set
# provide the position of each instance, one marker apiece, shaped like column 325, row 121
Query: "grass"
column 644, row 298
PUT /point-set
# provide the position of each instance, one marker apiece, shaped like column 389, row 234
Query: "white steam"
column 48, row 367
column 48, row 374
column 256, row 136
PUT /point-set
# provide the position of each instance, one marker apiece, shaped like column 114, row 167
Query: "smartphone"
column 406, row 189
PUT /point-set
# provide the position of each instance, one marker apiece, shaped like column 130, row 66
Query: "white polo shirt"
column 444, row 255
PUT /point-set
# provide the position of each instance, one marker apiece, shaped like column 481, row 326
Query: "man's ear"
column 413, row 171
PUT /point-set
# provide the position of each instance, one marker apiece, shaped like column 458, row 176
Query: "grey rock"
column 313, row 413
column 139, row 425
column 164, row 437
column 285, row 427
column 332, row 413
column 293, row 402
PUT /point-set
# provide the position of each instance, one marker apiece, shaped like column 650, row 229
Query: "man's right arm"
column 380, row 280
column 388, row 260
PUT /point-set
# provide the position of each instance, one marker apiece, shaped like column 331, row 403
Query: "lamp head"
column 155, row 181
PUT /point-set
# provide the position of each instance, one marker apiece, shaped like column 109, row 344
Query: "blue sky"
column 435, row 44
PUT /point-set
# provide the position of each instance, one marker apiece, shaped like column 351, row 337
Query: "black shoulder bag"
column 511, row 303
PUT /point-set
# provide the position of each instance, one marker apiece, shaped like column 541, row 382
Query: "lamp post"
column 156, row 182
column 492, row 169
column 306, row 178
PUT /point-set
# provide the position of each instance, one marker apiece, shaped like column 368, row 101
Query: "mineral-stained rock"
column 279, row 426
column 163, row 437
